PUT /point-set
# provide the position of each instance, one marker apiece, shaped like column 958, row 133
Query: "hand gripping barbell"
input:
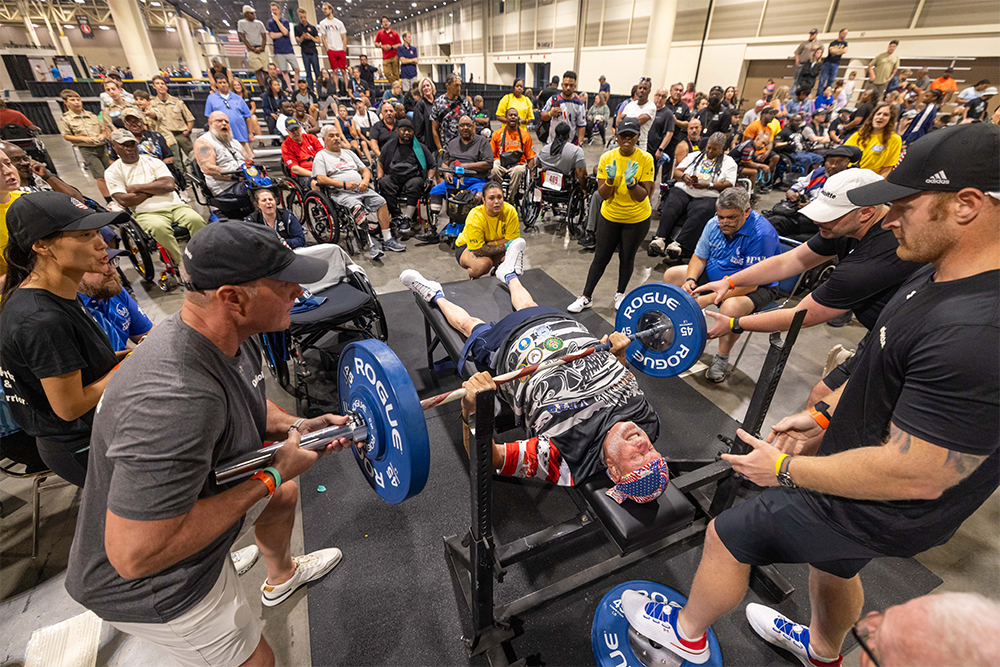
column 385, row 415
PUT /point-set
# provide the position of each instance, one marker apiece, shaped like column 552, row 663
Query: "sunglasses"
column 862, row 636
column 645, row 79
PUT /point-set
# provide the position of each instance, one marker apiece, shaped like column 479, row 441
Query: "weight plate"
column 616, row 644
column 372, row 381
column 655, row 303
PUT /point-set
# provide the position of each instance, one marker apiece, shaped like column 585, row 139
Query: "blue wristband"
column 275, row 474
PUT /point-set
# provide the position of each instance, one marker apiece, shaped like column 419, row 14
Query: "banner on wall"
column 84, row 22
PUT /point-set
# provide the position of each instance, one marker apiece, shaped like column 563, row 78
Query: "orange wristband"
column 729, row 280
column 267, row 479
column 819, row 417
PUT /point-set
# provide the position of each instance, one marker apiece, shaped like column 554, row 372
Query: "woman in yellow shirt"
column 880, row 145
column 517, row 100
column 625, row 183
column 489, row 228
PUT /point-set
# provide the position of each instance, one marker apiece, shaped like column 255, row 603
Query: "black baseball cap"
column 962, row 156
column 629, row 125
column 851, row 152
column 235, row 253
column 39, row 214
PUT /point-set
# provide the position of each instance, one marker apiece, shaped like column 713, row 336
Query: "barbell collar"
column 354, row 430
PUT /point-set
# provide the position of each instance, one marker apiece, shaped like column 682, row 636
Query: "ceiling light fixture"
column 169, row 29
column 68, row 26
column 155, row 4
column 104, row 27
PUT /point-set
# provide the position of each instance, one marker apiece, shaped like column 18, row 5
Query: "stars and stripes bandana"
column 642, row 484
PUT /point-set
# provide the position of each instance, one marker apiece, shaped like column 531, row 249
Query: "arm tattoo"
column 899, row 438
column 963, row 464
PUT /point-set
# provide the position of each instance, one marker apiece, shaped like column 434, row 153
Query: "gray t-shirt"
column 477, row 150
column 569, row 159
column 254, row 30
column 342, row 166
column 175, row 409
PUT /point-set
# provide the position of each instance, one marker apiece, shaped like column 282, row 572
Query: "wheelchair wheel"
column 529, row 208
column 375, row 324
column 294, row 202
column 576, row 213
column 321, row 219
column 138, row 251
column 274, row 347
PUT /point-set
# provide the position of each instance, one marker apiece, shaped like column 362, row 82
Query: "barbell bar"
column 356, row 428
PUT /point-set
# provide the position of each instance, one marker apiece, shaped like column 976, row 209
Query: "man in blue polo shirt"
column 737, row 237
column 112, row 308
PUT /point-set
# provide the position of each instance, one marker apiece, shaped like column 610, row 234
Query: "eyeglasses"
column 863, row 637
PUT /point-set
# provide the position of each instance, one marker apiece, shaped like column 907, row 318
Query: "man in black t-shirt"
column 661, row 132
column 403, row 174
column 867, row 275
column 547, row 92
column 907, row 449
column 975, row 109
column 581, row 417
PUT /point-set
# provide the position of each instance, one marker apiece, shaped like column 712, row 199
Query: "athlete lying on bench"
column 581, row 416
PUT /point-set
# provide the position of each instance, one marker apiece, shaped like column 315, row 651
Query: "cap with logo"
column 235, row 253
column 121, row 136
column 291, row 124
column 961, row 156
column 39, row 214
column 629, row 125
column 831, row 202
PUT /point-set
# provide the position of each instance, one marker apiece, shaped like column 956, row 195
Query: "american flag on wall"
column 231, row 45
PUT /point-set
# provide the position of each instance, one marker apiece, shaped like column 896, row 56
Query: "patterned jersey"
column 569, row 408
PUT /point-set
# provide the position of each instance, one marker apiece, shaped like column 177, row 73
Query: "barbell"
column 665, row 325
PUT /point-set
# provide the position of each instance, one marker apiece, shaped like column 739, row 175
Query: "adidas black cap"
column 962, row 156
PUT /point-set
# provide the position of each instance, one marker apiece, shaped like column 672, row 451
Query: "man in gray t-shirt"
column 253, row 34
column 151, row 549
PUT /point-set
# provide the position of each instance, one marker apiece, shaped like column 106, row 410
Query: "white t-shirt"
column 279, row 124
column 633, row 110
column 343, row 165
column 362, row 122
column 750, row 116
column 702, row 169
column 146, row 170
column 254, row 30
column 333, row 31
column 969, row 93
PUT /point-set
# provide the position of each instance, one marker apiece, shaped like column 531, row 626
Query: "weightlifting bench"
column 674, row 522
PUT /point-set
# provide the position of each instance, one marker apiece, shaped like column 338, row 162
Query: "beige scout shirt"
column 83, row 124
column 172, row 114
column 112, row 111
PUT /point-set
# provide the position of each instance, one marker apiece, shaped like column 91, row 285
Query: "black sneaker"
column 430, row 236
column 587, row 241
column 404, row 225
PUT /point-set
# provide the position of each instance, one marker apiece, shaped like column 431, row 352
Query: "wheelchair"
column 351, row 311
column 562, row 196
column 293, row 197
column 142, row 247
column 234, row 209
column 28, row 142
column 327, row 220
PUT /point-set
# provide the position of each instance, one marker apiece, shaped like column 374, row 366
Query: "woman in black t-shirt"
column 54, row 359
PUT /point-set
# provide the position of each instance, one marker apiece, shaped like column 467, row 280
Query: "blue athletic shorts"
column 484, row 344
column 469, row 183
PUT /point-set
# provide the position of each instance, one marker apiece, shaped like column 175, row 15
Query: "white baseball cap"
column 831, row 202
column 248, row 8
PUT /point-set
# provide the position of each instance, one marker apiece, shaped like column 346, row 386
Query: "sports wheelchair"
column 351, row 311
column 559, row 194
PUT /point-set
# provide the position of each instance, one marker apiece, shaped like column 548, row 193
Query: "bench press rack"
column 673, row 523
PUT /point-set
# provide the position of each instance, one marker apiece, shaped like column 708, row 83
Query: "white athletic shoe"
column 580, row 304
column 619, row 297
column 658, row 621
column 245, row 558
column 513, row 262
column 307, row 568
column 416, row 283
column 779, row 630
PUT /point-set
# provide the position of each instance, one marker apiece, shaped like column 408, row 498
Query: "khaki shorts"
column 258, row 61
column 220, row 631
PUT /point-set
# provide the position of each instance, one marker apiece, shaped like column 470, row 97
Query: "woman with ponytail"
column 54, row 359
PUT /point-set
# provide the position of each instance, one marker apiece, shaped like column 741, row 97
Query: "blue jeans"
column 311, row 63
column 827, row 76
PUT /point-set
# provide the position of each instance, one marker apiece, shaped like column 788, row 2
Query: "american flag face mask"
column 643, row 484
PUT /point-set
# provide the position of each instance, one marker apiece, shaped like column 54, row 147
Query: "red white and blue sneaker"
column 658, row 621
column 781, row 631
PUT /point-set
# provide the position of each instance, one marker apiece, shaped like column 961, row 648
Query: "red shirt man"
column 298, row 151
column 16, row 117
column 389, row 39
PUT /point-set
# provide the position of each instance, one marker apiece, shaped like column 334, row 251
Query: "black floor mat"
column 392, row 602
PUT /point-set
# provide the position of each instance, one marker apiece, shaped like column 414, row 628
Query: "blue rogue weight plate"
column 372, row 382
column 615, row 644
column 657, row 303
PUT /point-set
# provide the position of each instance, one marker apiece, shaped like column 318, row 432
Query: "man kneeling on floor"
column 144, row 184
column 489, row 229
column 734, row 239
column 581, row 417
column 903, row 453
column 151, row 549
